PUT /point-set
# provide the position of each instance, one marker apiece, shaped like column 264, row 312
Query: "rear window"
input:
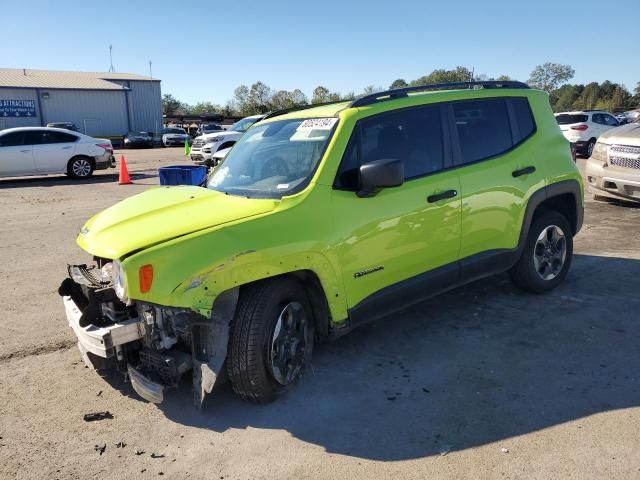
column 567, row 119
column 523, row 119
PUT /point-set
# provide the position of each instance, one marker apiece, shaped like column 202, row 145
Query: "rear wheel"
column 547, row 254
column 271, row 339
column 80, row 167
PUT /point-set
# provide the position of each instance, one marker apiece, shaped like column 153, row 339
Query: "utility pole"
column 111, row 69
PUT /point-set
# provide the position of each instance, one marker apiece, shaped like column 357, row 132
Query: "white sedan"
column 43, row 151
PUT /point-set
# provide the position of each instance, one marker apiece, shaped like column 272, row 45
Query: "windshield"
column 243, row 125
column 211, row 127
column 273, row 159
column 138, row 134
column 173, row 130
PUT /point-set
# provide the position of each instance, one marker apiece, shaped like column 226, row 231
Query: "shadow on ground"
column 480, row 364
column 56, row 181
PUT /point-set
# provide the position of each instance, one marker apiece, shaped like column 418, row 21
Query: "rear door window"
column 568, row 118
column 57, row 137
column 483, row 128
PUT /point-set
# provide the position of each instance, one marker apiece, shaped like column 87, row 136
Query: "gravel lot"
column 483, row 382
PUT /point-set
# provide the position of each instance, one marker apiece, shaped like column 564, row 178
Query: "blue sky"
column 203, row 50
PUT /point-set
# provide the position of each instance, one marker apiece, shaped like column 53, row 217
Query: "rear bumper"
column 105, row 161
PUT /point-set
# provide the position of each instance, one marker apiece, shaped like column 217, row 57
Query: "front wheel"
column 546, row 256
column 80, row 167
column 588, row 151
column 271, row 339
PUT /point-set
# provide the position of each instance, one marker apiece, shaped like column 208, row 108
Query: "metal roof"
column 28, row 78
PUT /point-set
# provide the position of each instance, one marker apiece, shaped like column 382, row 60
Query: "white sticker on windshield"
column 282, row 186
column 317, row 124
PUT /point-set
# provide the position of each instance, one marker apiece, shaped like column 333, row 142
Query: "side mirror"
column 379, row 174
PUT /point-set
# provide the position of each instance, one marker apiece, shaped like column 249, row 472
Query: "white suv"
column 206, row 145
column 43, row 151
column 583, row 128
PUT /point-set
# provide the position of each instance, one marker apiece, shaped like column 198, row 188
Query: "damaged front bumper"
column 153, row 345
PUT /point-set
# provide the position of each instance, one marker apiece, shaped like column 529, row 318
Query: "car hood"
column 175, row 135
column 625, row 135
column 212, row 137
column 161, row 214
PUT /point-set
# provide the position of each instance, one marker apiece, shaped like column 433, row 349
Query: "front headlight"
column 215, row 140
column 119, row 281
column 600, row 152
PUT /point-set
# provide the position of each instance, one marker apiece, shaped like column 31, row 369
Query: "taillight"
column 146, row 278
column 582, row 127
column 106, row 146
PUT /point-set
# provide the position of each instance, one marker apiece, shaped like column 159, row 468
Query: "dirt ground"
column 482, row 382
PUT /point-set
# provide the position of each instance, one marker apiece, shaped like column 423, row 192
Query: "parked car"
column 209, row 128
column 65, row 125
column 622, row 118
column 204, row 146
column 320, row 220
column 584, row 127
column 45, row 150
column 613, row 171
column 138, row 140
column 175, row 136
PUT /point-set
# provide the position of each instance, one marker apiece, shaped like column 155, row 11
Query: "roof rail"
column 284, row 111
column 403, row 92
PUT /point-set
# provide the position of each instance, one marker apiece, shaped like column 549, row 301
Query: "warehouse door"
column 92, row 126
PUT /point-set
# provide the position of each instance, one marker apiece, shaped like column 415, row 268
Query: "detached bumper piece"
column 145, row 387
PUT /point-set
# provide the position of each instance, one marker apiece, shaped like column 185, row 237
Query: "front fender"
column 191, row 271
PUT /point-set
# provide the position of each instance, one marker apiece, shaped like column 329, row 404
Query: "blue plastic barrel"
column 183, row 175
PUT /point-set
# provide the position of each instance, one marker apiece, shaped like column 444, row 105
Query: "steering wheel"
column 274, row 167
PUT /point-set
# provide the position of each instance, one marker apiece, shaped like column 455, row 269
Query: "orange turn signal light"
column 146, row 278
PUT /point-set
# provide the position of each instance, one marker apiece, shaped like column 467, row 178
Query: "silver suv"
column 613, row 170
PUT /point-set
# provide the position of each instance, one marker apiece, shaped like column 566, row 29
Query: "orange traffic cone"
column 123, row 178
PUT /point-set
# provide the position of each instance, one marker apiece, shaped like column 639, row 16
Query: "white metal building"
column 99, row 104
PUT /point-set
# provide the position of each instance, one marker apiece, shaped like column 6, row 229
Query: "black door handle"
column 523, row 171
column 436, row 197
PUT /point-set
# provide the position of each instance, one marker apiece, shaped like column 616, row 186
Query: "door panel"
column 395, row 235
column 16, row 158
column 496, row 179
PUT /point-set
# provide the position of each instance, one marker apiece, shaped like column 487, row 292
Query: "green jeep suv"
column 321, row 219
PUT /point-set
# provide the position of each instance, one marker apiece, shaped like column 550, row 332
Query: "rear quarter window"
column 523, row 119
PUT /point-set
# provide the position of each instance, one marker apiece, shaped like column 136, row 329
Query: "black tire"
column 524, row 273
column 80, row 167
column 588, row 149
column 249, row 362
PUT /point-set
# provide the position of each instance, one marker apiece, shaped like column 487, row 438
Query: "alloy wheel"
column 288, row 343
column 81, row 167
column 550, row 252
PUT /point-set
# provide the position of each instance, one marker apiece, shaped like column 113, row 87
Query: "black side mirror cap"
column 379, row 174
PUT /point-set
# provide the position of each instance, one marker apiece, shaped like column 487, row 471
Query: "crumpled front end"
column 152, row 344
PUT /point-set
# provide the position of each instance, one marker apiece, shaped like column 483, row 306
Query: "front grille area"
column 198, row 143
column 625, row 162
column 625, row 149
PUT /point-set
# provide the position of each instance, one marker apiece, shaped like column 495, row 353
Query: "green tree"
column 205, row 107
column 284, row 99
column 171, row 105
column 320, row 95
column 458, row 74
column 550, row 76
column 259, row 97
column 399, row 83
